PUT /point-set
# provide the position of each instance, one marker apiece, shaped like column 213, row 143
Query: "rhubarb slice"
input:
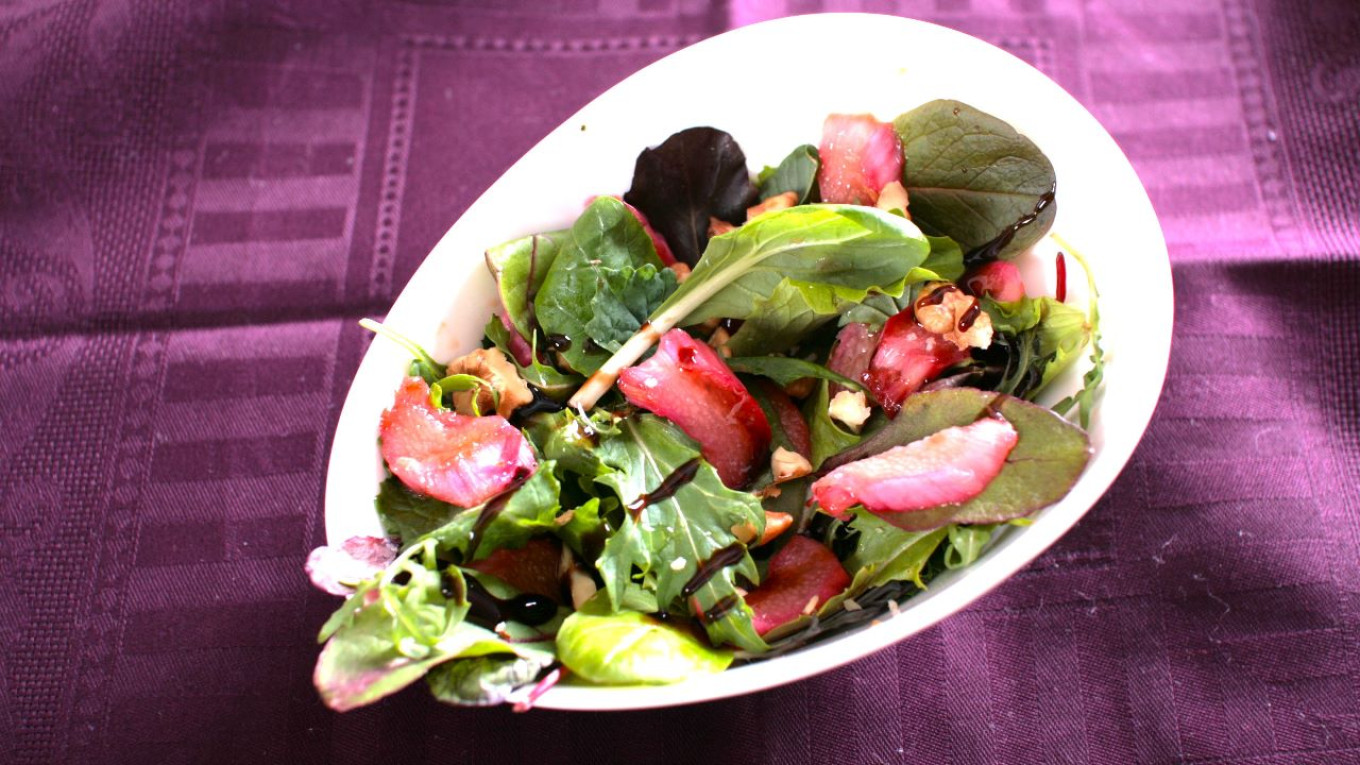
column 686, row 382
column 945, row 468
column 459, row 459
column 802, row 576
column 860, row 155
column 907, row 357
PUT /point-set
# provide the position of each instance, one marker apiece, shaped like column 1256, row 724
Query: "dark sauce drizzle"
column 558, row 342
column 541, row 403
column 988, row 252
column 492, row 509
column 969, row 316
column 721, row 559
column 487, row 610
column 719, row 609
column 671, row 484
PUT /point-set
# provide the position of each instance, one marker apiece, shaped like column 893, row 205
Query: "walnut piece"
column 492, row 366
column 787, row 465
column 946, row 310
column 777, row 202
column 852, row 409
column 718, row 227
column 894, row 197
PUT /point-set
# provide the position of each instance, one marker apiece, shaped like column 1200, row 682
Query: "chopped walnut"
column 945, row 310
column 492, row 366
column 681, row 271
column 777, row 202
column 894, row 197
column 580, row 583
column 718, row 342
column 787, row 465
column 852, row 409
column 801, row 388
column 718, row 227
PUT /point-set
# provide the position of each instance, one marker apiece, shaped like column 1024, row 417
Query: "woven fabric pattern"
column 199, row 199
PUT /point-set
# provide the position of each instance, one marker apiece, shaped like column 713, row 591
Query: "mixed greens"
column 719, row 418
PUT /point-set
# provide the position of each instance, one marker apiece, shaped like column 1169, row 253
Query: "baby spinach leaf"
column 1047, row 459
column 519, row 267
column 667, row 537
column 693, row 175
column 629, row 648
column 854, row 248
column 945, row 260
column 970, row 176
column 838, row 247
column 796, row 173
column 602, row 285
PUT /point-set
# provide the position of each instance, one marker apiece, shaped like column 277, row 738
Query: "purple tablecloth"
column 168, row 397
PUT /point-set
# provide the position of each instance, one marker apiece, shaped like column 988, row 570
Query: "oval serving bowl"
column 895, row 64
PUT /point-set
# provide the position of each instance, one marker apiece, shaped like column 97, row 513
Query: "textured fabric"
column 198, row 200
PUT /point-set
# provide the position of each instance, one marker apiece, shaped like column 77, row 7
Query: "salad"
column 720, row 417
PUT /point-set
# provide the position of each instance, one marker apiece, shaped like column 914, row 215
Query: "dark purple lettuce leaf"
column 695, row 174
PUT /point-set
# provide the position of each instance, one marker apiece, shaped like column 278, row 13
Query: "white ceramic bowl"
column 878, row 64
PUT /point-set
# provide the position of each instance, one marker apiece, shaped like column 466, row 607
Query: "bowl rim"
column 999, row 562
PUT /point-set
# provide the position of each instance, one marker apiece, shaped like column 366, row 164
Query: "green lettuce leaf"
column 668, row 539
column 785, row 370
column 602, row 285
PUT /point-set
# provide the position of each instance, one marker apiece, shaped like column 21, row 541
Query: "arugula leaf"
column 602, row 284
column 966, row 543
column 519, row 267
column 505, row 521
column 423, row 366
column 837, row 247
column 394, row 628
column 1049, row 456
column 971, row 176
column 785, row 370
column 692, row 176
column 1092, row 380
column 669, row 538
column 796, row 173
